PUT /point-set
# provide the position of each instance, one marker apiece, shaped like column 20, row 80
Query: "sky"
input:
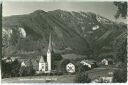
column 105, row 9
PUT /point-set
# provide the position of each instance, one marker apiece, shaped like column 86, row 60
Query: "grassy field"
column 103, row 71
column 94, row 73
column 41, row 79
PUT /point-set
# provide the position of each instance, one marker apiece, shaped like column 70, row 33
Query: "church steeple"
column 49, row 53
column 50, row 43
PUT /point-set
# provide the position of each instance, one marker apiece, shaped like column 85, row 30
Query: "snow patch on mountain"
column 95, row 27
column 22, row 32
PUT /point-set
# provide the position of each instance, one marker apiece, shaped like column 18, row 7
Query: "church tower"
column 49, row 54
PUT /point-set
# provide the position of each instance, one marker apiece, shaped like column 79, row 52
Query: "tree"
column 120, row 76
column 81, row 75
column 82, row 68
column 120, row 47
column 57, row 57
column 23, row 71
column 122, row 9
column 62, row 65
column 82, row 78
column 15, row 68
column 30, row 70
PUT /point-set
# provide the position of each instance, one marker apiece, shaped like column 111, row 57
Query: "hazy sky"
column 106, row 9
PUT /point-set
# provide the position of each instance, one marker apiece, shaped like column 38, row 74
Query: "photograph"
column 64, row 42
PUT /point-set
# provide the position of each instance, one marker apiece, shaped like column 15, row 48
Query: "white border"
column 63, row 0
column 63, row 83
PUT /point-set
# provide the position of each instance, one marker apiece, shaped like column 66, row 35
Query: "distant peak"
column 39, row 11
column 58, row 10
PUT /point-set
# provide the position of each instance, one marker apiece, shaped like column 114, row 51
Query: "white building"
column 70, row 68
column 23, row 64
column 49, row 54
column 42, row 64
column 107, row 61
column 104, row 61
column 88, row 63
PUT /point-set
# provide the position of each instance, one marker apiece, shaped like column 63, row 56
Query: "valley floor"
column 94, row 73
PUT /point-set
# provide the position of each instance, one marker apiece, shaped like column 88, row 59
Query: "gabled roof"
column 41, row 60
column 88, row 61
column 108, row 59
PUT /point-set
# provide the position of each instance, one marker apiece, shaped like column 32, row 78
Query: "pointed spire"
column 50, row 43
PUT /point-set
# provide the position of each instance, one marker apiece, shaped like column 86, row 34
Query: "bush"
column 120, row 76
column 26, row 71
column 82, row 78
column 10, row 69
column 62, row 65
column 15, row 68
column 23, row 71
column 82, row 68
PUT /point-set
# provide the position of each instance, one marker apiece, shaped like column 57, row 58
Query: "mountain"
column 84, row 33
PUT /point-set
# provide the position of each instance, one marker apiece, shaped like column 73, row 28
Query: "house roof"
column 88, row 61
column 108, row 59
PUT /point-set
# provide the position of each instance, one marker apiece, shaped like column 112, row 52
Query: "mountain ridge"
column 74, row 29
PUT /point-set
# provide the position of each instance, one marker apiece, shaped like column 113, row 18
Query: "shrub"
column 27, row 70
column 10, row 69
column 23, row 71
column 15, row 68
column 82, row 78
column 120, row 76
column 82, row 68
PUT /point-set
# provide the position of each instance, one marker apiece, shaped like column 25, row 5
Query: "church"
column 46, row 66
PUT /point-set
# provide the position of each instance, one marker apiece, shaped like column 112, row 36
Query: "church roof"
column 41, row 59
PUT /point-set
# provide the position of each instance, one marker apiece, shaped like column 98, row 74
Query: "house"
column 107, row 79
column 70, row 67
column 23, row 64
column 103, row 79
column 107, row 61
column 7, row 59
column 67, row 66
column 26, row 63
column 89, row 63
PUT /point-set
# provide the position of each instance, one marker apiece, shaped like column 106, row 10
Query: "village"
column 97, row 71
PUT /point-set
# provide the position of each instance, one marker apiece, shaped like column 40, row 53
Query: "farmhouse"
column 8, row 60
column 89, row 63
column 70, row 67
column 107, row 61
